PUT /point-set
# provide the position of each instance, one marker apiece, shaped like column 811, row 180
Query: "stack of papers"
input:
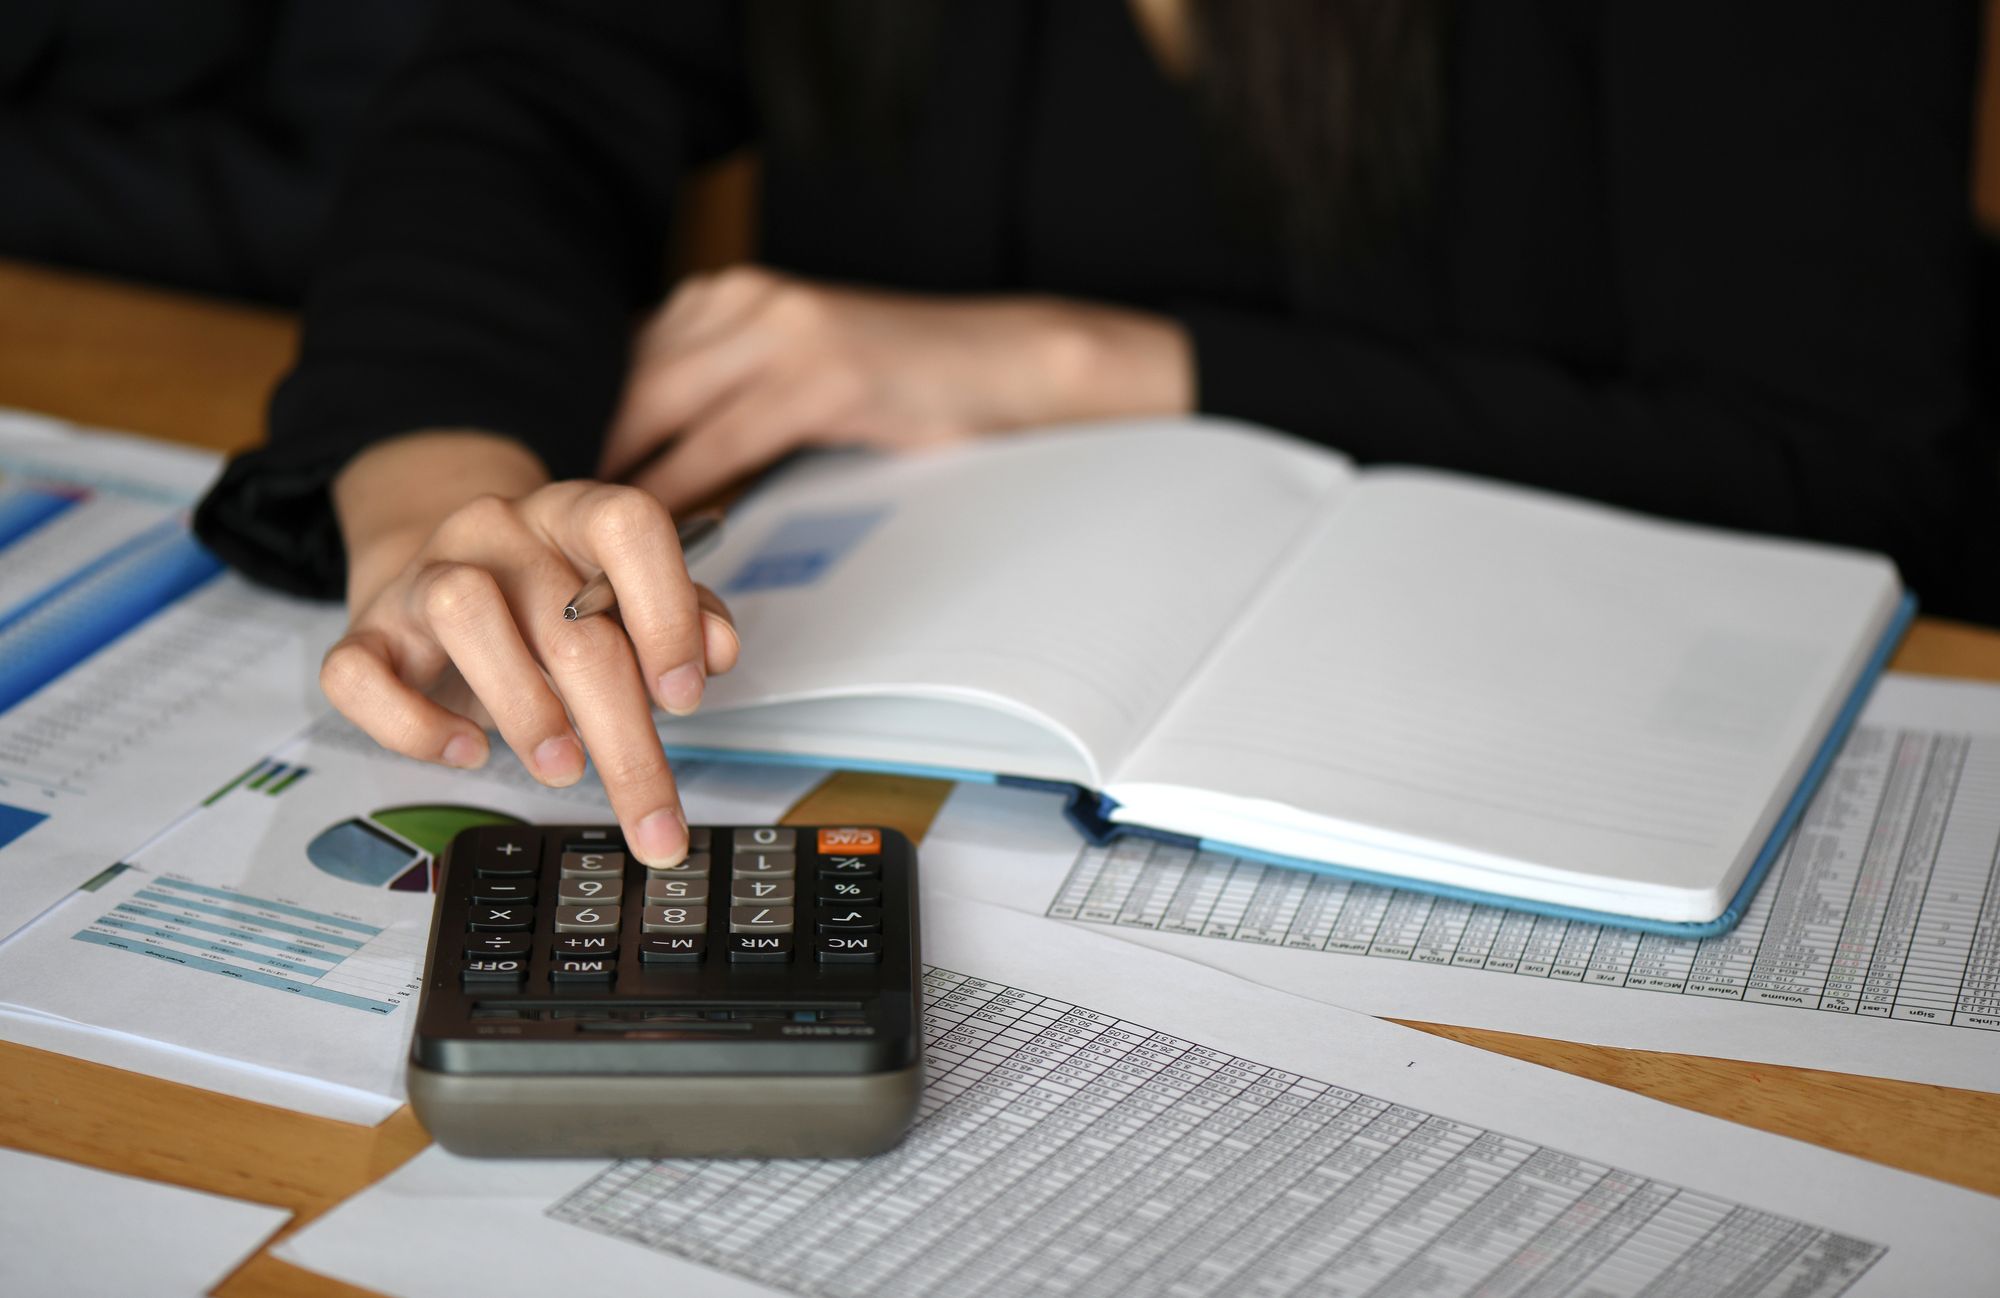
column 1138, row 1079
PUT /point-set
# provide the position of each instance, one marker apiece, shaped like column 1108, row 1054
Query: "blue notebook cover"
column 1090, row 811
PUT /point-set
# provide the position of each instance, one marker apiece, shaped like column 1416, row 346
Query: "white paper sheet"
column 149, row 705
column 84, row 1233
column 1105, row 1119
column 268, row 943
column 1874, row 948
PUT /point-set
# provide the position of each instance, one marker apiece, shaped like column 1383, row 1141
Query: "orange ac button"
column 853, row 842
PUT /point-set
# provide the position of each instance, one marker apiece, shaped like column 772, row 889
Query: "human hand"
column 740, row 367
column 469, row 628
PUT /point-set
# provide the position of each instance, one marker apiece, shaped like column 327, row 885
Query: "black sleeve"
column 504, row 219
column 195, row 144
column 1792, row 244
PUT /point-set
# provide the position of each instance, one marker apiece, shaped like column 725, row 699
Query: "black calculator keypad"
column 749, row 896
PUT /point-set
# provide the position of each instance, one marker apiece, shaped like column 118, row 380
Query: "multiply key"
column 514, row 916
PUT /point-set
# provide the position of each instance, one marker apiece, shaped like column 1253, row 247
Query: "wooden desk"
column 199, row 371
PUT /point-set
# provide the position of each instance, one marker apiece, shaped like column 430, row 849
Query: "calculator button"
column 594, row 840
column 496, row 945
column 580, row 892
column 851, row 919
column 850, row 867
column 586, row 919
column 586, row 865
column 852, row 892
column 752, row 865
column 673, row 950
column 692, row 866
column 675, row 919
column 767, row 839
column 668, row 891
column 850, row 842
column 496, row 890
column 768, row 892
column 510, row 846
column 583, row 946
column 579, row 970
column 760, row 948
column 506, row 969
column 501, row 866
column 512, row 915
column 760, row 919
column 698, row 838
column 853, row 948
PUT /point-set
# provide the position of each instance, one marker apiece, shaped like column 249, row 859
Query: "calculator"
column 759, row 999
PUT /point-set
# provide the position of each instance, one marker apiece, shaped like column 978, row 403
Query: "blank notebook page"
column 1534, row 680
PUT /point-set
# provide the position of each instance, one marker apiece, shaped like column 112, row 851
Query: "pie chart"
column 395, row 847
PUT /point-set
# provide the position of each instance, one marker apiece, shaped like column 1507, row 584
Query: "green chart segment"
column 396, row 847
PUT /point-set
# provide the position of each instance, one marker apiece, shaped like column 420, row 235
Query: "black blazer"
column 1697, row 257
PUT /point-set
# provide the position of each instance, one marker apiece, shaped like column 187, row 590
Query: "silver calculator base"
column 523, row 1116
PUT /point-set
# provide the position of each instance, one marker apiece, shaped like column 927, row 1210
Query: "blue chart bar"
column 16, row 821
column 57, row 628
column 21, row 512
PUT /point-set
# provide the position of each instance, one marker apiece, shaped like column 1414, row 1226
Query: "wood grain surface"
column 200, row 371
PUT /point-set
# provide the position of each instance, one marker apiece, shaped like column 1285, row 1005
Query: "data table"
column 1065, row 1151
column 1886, row 902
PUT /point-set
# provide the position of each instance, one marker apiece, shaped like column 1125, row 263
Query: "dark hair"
column 1336, row 106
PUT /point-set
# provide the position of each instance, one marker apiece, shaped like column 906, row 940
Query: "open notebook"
column 1223, row 636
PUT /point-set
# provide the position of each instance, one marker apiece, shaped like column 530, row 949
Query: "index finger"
column 629, row 535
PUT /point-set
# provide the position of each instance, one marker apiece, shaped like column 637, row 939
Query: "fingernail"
column 464, row 752
column 680, row 689
column 661, row 838
column 559, row 760
column 714, row 624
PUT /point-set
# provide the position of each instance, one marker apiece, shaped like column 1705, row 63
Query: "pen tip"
column 569, row 613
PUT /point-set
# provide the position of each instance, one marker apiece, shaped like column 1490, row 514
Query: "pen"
column 695, row 532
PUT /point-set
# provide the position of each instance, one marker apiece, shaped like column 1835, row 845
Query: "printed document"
column 134, row 672
column 270, row 945
column 1873, row 947
column 1103, row 1119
